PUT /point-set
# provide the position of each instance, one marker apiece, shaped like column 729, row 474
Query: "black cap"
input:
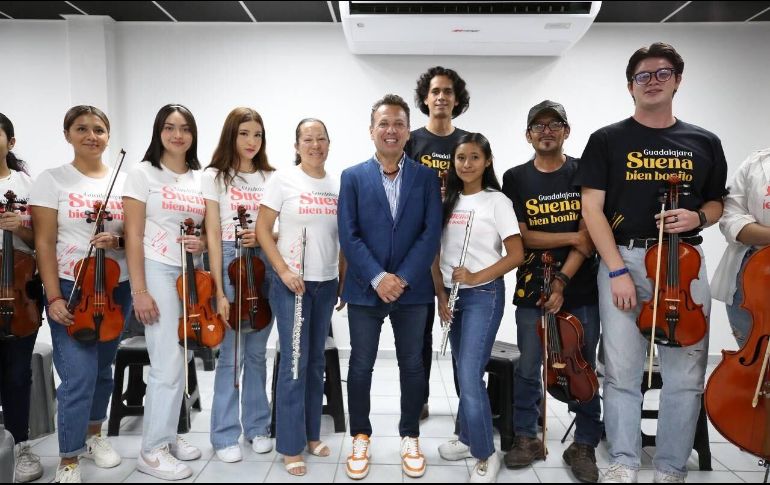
column 546, row 105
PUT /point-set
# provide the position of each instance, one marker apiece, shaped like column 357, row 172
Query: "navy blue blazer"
column 373, row 241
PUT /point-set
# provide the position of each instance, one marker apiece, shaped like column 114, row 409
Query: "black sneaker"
column 525, row 451
column 582, row 459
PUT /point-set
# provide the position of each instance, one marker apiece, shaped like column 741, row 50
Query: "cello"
column 199, row 326
column 247, row 274
column 671, row 302
column 19, row 312
column 96, row 317
column 737, row 395
column 568, row 377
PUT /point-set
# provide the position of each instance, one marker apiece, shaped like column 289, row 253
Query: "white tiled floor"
column 728, row 462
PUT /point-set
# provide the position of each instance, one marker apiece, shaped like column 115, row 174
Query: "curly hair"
column 462, row 95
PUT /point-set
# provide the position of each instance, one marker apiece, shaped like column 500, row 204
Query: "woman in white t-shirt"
column 304, row 196
column 236, row 177
column 160, row 193
column 472, row 188
column 60, row 199
column 16, row 353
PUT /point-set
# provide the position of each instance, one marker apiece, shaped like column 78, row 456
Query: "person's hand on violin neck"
column 249, row 238
column 105, row 240
column 10, row 221
column 555, row 302
column 193, row 244
column 678, row 220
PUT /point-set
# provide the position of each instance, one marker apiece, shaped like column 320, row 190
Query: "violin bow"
column 655, row 294
column 239, row 299
column 544, row 324
column 182, row 230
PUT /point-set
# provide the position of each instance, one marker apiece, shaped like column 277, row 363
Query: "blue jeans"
column 85, row 370
column 683, row 371
column 299, row 403
column 255, row 409
column 527, row 388
column 16, row 384
column 476, row 319
column 740, row 319
column 365, row 324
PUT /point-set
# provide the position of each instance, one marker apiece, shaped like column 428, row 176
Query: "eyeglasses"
column 554, row 126
column 663, row 74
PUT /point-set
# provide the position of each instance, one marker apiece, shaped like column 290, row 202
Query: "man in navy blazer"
column 389, row 219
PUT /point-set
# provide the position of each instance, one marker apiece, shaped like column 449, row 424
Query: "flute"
column 446, row 325
column 298, row 319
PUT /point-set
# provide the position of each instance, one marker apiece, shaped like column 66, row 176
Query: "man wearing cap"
column 548, row 205
column 623, row 168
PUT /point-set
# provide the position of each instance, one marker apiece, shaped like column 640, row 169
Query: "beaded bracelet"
column 139, row 292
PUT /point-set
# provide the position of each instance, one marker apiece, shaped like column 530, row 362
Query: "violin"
column 19, row 312
column 199, row 326
column 96, row 316
column 671, row 314
column 737, row 395
column 569, row 378
column 247, row 274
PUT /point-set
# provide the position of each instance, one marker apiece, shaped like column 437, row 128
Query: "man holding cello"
column 622, row 170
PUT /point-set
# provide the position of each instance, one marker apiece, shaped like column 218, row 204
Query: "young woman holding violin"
column 159, row 194
column 473, row 198
column 16, row 350
column 622, row 170
column 236, row 178
column 60, row 200
column 305, row 198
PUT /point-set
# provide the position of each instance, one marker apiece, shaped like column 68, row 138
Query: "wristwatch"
column 703, row 220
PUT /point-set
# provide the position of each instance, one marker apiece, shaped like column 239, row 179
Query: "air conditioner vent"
column 465, row 8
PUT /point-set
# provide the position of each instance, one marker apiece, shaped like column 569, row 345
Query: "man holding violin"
column 622, row 170
column 547, row 205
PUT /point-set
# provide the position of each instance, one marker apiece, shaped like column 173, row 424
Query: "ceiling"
column 297, row 11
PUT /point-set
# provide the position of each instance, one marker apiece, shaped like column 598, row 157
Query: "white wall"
column 291, row 71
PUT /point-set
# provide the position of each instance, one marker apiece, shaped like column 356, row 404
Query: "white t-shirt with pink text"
column 493, row 221
column 69, row 192
column 247, row 190
column 304, row 201
column 21, row 184
column 169, row 199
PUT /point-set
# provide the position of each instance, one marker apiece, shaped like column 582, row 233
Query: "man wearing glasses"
column 622, row 169
column 547, row 205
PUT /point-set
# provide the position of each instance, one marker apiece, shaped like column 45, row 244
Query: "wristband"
column 620, row 272
column 55, row 299
column 702, row 218
column 562, row 277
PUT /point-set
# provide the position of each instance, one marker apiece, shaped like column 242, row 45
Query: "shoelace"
column 667, row 478
column 164, row 451
column 100, row 442
column 181, row 443
column 412, row 446
column 481, row 467
column 26, row 457
column 616, row 472
column 359, row 448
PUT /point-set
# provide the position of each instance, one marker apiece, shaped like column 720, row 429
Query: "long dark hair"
column 225, row 158
column 454, row 186
column 297, row 158
column 155, row 150
column 13, row 162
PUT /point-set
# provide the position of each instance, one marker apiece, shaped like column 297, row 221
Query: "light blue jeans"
column 255, row 410
column 86, row 376
column 476, row 319
column 299, row 403
column 165, row 382
column 740, row 319
column 682, row 369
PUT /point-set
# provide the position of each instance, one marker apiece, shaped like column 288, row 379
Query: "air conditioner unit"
column 466, row 28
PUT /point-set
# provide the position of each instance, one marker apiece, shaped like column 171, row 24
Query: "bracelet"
column 620, row 272
column 562, row 277
column 55, row 299
column 139, row 292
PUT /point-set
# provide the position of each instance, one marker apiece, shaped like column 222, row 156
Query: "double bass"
column 737, row 396
column 19, row 312
column 247, row 274
column 199, row 326
column 671, row 314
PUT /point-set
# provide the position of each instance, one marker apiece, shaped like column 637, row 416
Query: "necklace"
column 393, row 172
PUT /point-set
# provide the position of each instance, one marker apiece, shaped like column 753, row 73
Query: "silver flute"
column 296, row 333
column 446, row 325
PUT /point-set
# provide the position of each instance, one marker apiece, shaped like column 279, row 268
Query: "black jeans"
column 16, row 384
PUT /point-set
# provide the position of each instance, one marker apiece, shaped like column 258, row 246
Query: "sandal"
column 321, row 449
column 294, row 465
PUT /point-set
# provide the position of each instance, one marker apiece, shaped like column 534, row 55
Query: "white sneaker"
column 262, row 444
column 100, row 450
column 183, row 450
column 162, row 464
column 663, row 477
column 412, row 459
column 358, row 461
column 28, row 466
column 68, row 474
column 618, row 473
column 485, row 471
column 231, row 454
column 454, row 450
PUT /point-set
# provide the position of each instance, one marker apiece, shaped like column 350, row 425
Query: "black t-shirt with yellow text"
column 431, row 150
column 631, row 162
column 548, row 202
